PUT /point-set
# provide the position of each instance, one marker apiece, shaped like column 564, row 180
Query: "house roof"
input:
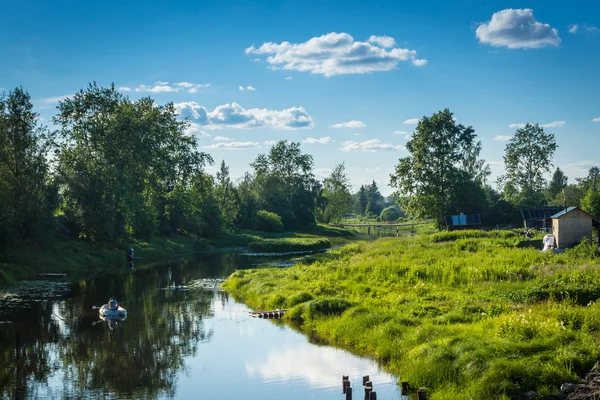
column 539, row 214
column 564, row 212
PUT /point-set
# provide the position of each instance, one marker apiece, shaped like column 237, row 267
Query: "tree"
column 528, row 156
column 432, row 180
column 557, row 184
column 336, row 191
column 362, row 200
column 390, row 214
column 226, row 196
column 591, row 202
column 125, row 166
column 27, row 193
column 286, row 185
column 375, row 201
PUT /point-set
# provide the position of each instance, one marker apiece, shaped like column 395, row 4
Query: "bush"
column 268, row 222
column 390, row 214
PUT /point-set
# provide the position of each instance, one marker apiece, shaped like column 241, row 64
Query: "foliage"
column 27, row 192
column 226, row 196
column 557, row 184
column 286, row 245
column 468, row 314
column 336, row 192
column 120, row 160
column 285, row 184
column 528, row 156
column 591, row 202
column 268, row 222
column 390, row 214
column 438, row 177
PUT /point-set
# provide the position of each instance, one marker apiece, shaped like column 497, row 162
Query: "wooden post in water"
column 365, row 380
column 345, row 384
column 369, row 230
column 421, row 394
column 368, row 390
column 373, row 396
column 404, row 388
column 349, row 392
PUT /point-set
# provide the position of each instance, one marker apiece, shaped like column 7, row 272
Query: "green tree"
column 432, row 181
column 591, row 202
column 528, row 157
column 557, row 184
column 285, row 184
column 390, row 214
column 226, row 196
column 375, row 201
column 363, row 200
column 248, row 201
column 123, row 165
column 336, row 191
column 26, row 192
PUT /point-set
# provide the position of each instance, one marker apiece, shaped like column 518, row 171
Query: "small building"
column 571, row 225
column 462, row 221
column 539, row 218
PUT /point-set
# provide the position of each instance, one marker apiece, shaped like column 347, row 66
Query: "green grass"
column 286, row 245
column 82, row 260
column 468, row 314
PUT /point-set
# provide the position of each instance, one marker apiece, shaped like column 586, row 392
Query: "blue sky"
column 316, row 65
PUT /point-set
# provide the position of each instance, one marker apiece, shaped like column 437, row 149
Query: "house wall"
column 571, row 228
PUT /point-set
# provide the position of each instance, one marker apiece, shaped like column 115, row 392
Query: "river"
column 182, row 338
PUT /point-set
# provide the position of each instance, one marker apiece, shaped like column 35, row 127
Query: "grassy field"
column 466, row 314
column 83, row 260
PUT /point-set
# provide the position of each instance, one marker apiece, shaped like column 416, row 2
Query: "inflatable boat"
column 105, row 312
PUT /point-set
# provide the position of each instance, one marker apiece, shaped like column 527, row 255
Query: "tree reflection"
column 141, row 357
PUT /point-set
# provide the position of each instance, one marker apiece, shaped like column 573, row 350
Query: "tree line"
column 117, row 168
column 444, row 174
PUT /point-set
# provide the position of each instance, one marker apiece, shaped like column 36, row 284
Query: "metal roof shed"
column 571, row 225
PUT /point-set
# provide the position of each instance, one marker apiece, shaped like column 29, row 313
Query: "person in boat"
column 112, row 304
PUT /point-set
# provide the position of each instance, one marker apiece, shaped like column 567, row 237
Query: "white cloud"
column 288, row 78
column 333, row 54
column 194, row 129
column 591, row 28
column 322, row 173
column 349, row 124
column 161, row 83
column 370, row 145
column 401, row 133
column 270, row 142
column 554, row 124
column 517, row 29
column 412, row 121
column 48, row 102
column 235, row 116
column 192, row 87
column 124, row 89
column 503, row 137
column 157, row 88
column 232, row 145
column 249, row 88
column 323, row 140
column 419, row 62
column 596, row 119
column 222, row 139
column 382, row 41
column 573, row 28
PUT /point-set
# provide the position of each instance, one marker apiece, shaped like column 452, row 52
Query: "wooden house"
column 462, row 221
column 571, row 225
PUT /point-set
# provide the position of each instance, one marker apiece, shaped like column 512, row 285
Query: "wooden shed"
column 571, row 225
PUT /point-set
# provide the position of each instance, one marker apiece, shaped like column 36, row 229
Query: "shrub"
column 390, row 214
column 327, row 307
column 268, row 222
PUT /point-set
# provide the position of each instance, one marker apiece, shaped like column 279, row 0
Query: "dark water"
column 181, row 339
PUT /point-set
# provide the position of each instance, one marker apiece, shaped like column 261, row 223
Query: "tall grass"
column 467, row 314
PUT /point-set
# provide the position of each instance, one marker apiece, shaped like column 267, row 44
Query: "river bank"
column 466, row 314
column 82, row 260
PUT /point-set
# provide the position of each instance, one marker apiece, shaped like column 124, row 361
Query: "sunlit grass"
column 466, row 314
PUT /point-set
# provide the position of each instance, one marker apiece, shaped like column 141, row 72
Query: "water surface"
column 182, row 338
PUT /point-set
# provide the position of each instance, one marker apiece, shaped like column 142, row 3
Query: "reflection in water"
column 188, row 343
